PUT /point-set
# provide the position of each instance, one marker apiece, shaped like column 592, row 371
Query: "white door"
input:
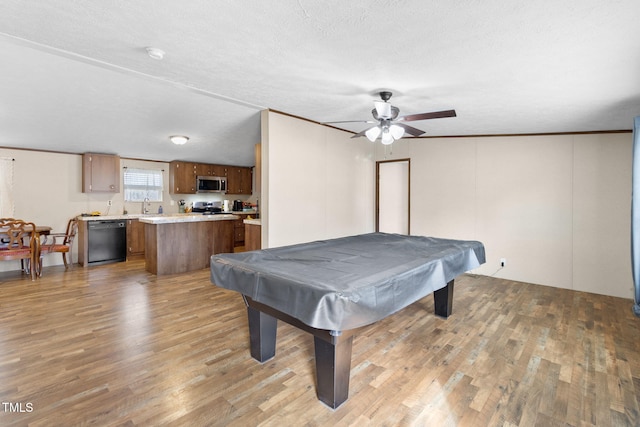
column 392, row 197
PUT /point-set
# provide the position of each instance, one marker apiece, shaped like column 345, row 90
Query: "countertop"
column 172, row 219
column 253, row 221
column 175, row 217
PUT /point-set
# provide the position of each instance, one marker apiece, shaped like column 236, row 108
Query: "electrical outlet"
column 109, row 203
column 503, row 262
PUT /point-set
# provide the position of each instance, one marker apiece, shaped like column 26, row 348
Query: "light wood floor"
column 114, row 345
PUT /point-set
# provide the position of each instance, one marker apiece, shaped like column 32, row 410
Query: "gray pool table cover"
column 344, row 283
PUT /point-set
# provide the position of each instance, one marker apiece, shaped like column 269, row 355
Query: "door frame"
column 408, row 192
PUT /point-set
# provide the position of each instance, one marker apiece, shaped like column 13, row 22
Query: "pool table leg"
column 443, row 300
column 333, row 349
column 262, row 334
column 333, row 368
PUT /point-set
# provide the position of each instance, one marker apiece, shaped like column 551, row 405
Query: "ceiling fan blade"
column 349, row 121
column 410, row 129
column 360, row 133
column 425, row 116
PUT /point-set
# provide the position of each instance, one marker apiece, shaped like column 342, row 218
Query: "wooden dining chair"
column 4, row 240
column 59, row 243
column 20, row 240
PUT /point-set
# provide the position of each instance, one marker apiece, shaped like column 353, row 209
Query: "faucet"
column 145, row 205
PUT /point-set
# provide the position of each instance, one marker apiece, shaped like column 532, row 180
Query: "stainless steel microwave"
column 211, row 184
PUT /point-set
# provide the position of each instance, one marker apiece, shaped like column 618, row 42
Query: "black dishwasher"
column 107, row 241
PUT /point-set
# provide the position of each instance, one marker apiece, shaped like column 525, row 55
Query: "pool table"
column 330, row 288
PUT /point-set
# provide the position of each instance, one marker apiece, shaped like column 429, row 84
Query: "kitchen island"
column 182, row 243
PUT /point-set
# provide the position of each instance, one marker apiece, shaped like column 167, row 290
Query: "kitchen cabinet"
column 204, row 169
column 253, row 237
column 238, row 180
column 100, row 173
column 238, row 230
column 219, row 170
column 182, row 177
column 135, row 238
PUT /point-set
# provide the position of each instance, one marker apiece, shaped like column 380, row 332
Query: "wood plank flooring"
column 114, row 345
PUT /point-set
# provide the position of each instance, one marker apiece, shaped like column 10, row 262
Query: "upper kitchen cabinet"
column 238, row 180
column 100, row 173
column 218, row 170
column 203, row 169
column 182, row 177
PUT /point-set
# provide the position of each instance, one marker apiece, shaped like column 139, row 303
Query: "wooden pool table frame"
column 332, row 348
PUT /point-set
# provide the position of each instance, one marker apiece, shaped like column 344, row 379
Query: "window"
column 140, row 184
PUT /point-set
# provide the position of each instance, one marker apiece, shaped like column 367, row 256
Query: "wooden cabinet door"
column 218, row 170
column 204, row 169
column 239, row 180
column 233, row 184
column 238, row 230
column 182, row 177
column 135, row 238
column 100, row 173
column 245, row 180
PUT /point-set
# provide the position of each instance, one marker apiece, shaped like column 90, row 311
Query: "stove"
column 207, row 208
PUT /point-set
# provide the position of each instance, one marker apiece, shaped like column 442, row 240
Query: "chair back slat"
column 20, row 240
column 15, row 232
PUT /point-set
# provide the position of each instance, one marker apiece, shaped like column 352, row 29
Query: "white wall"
column 318, row 183
column 602, row 214
column 556, row 207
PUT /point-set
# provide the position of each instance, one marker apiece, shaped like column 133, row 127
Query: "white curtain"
column 635, row 215
column 6, row 188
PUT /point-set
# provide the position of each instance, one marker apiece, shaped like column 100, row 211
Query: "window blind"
column 141, row 184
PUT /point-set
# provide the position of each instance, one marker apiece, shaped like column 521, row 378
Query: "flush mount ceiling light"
column 155, row 53
column 179, row 139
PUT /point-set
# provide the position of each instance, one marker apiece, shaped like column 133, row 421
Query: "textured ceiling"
column 75, row 75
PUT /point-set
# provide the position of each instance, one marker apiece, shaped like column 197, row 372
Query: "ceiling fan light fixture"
column 387, row 138
column 179, row 139
column 383, row 109
column 396, row 131
column 373, row 133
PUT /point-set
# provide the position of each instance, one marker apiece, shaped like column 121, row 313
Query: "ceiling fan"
column 389, row 126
